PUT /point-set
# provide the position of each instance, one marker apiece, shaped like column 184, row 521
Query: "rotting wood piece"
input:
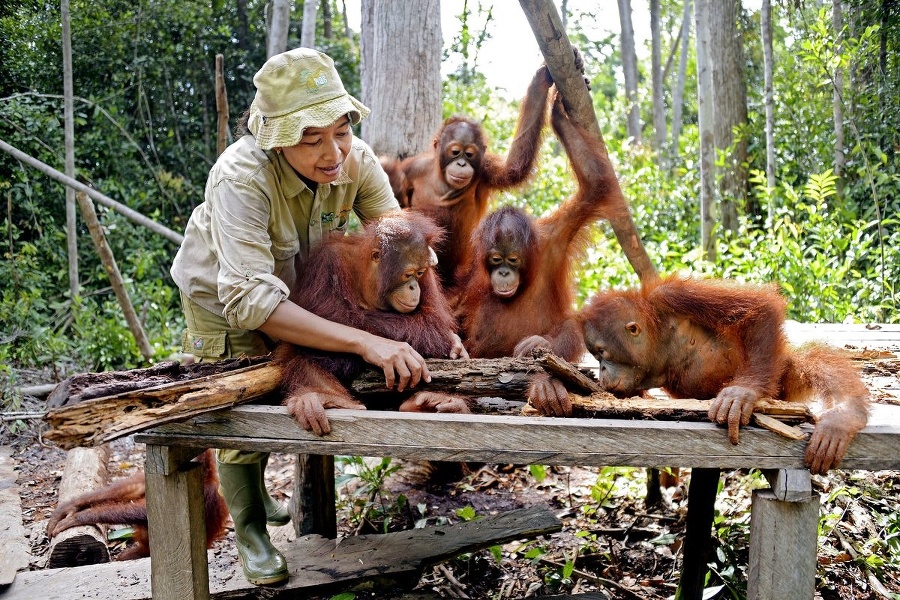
column 86, row 386
column 90, row 422
column 604, row 404
column 100, row 420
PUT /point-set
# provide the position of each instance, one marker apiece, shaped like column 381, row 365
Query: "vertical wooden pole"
column 312, row 502
column 695, row 551
column 221, row 106
column 176, row 518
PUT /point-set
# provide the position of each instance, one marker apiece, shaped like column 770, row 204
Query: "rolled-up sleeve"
column 246, row 282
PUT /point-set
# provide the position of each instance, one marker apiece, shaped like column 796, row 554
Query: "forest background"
column 823, row 224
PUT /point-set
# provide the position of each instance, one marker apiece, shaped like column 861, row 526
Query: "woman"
column 271, row 196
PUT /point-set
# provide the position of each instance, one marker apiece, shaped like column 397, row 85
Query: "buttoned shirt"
column 243, row 245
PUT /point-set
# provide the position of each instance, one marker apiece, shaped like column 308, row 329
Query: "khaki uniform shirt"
column 257, row 223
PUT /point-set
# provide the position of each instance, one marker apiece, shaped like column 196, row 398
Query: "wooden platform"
column 788, row 513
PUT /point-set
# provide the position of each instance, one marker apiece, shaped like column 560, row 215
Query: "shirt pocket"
column 204, row 344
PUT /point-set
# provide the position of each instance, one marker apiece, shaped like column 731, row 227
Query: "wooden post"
column 175, row 512
column 312, row 504
column 695, row 550
column 115, row 277
column 783, row 539
column 221, row 106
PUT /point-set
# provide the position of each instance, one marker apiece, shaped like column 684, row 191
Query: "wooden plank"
column 315, row 563
column 14, row 553
column 515, row 439
column 85, row 471
column 177, row 527
column 782, row 547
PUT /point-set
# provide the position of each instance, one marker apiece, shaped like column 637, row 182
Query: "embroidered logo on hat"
column 313, row 81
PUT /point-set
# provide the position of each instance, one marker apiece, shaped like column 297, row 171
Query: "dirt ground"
column 611, row 542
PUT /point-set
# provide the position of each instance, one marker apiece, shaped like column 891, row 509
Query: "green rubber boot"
column 276, row 513
column 263, row 564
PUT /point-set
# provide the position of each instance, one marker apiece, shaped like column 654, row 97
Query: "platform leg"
column 782, row 547
column 312, row 504
column 177, row 525
column 702, row 492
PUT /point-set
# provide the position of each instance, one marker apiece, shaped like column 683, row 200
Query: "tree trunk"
column 730, row 102
column 659, row 108
column 279, row 23
column 69, row 130
column 308, row 25
column 630, row 70
column 769, row 67
column 837, row 102
column 404, row 117
column 327, row 31
column 678, row 94
column 705, row 114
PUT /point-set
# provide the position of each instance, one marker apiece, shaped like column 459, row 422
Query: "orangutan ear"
column 633, row 328
column 432, row 257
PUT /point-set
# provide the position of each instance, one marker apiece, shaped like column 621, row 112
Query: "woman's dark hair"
column 241, row 129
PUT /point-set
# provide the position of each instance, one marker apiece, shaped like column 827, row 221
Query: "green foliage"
column 370, row 504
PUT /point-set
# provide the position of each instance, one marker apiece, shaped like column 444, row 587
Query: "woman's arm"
column 401, row 364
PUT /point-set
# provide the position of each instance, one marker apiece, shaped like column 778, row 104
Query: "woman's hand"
column 401, row 364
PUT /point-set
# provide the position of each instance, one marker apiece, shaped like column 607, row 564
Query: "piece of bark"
column 85, row 470
column 85, row 386
column 566, row 371
column 605, row 405
column 100, row 420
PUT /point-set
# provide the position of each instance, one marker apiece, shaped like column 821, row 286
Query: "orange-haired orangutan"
column 724, row 340
column 124, row 502
column 382, row 281
column 517, row 290
column 454, row 182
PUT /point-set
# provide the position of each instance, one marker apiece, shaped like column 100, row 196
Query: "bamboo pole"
column 115, row 277
column 120, row 208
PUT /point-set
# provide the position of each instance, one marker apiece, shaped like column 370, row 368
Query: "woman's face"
column 321, row 151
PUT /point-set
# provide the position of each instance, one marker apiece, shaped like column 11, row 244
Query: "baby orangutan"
column 724, row 340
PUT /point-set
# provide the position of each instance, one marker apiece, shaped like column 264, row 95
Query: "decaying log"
column 100, row 420
column 87, row 420
column 86, row 470
column 495, row 377
column 110, row 383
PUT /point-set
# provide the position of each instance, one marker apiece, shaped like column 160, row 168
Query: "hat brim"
column 286, row 130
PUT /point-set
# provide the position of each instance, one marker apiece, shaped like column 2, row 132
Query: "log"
column 147, row 398
column 557, row 50
column 507, row 378
column 86, row 470
column 101, row 420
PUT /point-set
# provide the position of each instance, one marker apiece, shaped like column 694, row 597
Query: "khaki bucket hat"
column 297, row 89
